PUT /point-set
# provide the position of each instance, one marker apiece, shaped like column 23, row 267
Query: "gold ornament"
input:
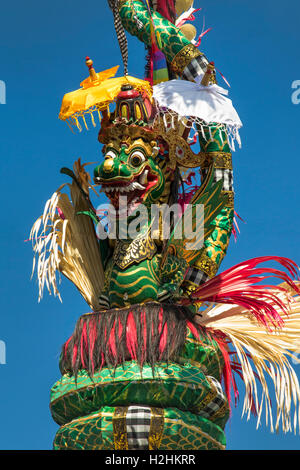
column 189, row 31
column 183, row 5
column 184, row 58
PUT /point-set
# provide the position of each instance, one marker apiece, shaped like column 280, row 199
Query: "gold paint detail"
column 206, row 400
column 220, row 160
column 230, row 198
column 119, row 428
column 196, row 430
column 110, row 131
column 138, row 111
column 180, row 152
column 127, row 253
column 184, row 57
column 131, row 284
column 135, row 271
column 221, row 412
column 209, row 77
column 156, row 428
column 136, row 294
column 205, row 264
column 108, row 165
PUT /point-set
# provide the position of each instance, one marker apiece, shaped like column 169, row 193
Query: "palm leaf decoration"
column 64, row 241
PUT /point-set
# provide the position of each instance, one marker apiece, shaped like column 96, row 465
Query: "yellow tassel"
column 83, row 118
column 92, row 118
column 78, row 124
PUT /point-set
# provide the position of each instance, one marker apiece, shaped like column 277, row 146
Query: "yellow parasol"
column 97, row 92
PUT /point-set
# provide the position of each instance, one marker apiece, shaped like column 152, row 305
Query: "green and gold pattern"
column 176, row 47
column 215, row 143
column 106, row 430
column 177, row 392
column 135, row 284
column 204, row 354
column 180, row 386
column 91, row 432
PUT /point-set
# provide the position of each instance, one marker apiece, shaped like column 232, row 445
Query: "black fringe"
column 150, row 333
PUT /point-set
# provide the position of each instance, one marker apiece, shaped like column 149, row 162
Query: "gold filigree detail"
column 220, row 160
column 221, row 412
column 127, row 253
column 207, row 265
column 211, row 395
column 119, row 428
column 184, row 57
column 230, row 198
column 180, row 152
column 156, row 428
column 123, row 130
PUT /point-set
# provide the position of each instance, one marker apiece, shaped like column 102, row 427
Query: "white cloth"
column 195, row 100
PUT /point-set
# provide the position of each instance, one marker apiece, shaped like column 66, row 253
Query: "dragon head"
column 131, row 173
column 130, row 169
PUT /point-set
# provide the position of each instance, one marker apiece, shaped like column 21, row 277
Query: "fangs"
column 123, row 189
column 143, row 177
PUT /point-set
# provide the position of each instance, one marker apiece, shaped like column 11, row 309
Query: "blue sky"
column 42, row 48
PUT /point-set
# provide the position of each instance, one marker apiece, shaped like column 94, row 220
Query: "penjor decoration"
column 153, row 365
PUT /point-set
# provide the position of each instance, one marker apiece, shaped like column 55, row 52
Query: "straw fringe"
column 64, row 241
column 269, row 352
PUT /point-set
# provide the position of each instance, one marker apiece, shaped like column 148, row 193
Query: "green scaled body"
column 178, row 395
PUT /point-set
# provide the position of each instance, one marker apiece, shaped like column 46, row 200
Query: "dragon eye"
column 110, row 154
column 137, row 158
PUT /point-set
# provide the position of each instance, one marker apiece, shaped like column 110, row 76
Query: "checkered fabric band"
column 196, row 276
column 121, row 36
column 221, row 174
column 138, row 420
column 196, row 67
column 217, row 402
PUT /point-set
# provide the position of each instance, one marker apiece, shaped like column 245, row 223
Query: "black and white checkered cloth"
column 196, row 276
column 222, row 174
column 227, row 177
column 138, row 419
column 217, row 402
column 196, row 67
column 121, row 36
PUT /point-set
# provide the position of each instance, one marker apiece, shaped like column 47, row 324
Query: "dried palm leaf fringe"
column 261, row 354
column 65, row 241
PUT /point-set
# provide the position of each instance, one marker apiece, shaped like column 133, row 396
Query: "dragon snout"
column 108, row 165
column 111, row 169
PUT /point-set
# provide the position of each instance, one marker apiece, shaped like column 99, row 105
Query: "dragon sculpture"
column 145, row 369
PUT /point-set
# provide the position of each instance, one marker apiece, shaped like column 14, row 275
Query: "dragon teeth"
column 138, row 186
column 125, row 189
column 143, row 177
